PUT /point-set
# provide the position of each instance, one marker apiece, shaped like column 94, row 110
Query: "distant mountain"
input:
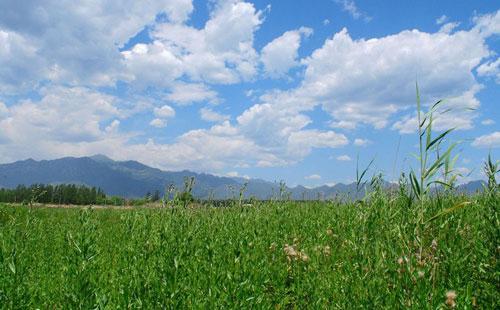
column 134, row 179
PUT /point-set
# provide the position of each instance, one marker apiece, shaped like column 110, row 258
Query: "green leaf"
column 449, row 210
column 438, row 139
column 439, row 160
column 435, row 105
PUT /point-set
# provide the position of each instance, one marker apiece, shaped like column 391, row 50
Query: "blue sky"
column 292, row 90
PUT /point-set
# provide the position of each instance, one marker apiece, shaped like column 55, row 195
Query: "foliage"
column 278, row 253
column 53, row 194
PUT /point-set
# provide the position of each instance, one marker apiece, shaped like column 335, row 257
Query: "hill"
column 134, row 179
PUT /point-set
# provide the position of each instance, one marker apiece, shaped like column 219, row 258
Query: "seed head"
column 304, row 257
column 434, row 245
column 451, row 296
column 290, row 251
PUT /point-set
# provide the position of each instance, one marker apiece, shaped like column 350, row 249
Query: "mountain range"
column 132, row 179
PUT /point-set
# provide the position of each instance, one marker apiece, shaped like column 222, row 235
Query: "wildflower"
column 450, row 299
column 400, row 261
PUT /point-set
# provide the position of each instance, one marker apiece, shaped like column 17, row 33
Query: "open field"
column 282, row 254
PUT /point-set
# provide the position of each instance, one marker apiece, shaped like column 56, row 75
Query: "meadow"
column 372, row 253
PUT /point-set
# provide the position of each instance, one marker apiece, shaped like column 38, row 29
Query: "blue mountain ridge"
column 132, row 179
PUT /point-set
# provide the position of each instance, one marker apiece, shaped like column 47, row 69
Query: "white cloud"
column 449, row 27
column 361, row 142
column 460, row 117
column 326, row 22
column 209, row 115
column 487, row 24
column 184, row 94
column 301, row 142
column 490, row 68
column 20, row 65
column 75, row 43
column 344, row 158
column 152, row 64
column 280, row 55
column 357, row 81
column 165, row 111
column 222, row 52
column 350, row 7
column 367, row 81
column 487, row 122
column 63, row 114
column 442, row 19
column 113, row 127
column 158, row 123
column 313, row 177
column 491, row 140
column 3, row 110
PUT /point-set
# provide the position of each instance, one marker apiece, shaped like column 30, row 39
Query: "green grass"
column 379, row 255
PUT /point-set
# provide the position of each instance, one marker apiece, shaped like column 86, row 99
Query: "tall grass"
column 358, row 256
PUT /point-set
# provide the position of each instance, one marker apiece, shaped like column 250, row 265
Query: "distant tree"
column 156, row 196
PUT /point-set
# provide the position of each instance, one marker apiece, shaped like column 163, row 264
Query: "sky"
column 278, row 90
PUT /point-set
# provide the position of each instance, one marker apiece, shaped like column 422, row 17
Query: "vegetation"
column 421, row 245
column 279, row 253
column 69, row 194
column 53, row 194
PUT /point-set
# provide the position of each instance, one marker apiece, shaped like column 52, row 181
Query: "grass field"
column 371, row 254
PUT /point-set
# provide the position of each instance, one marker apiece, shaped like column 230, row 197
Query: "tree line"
column 57, row 194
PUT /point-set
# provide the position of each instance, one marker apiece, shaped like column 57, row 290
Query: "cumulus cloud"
column 366, row 81
column 280, row 55
column 491, row 140
column 59, row 121
column 165, row 111
column 75, row 43
column 209, row 115
column 358, row 82
column 344, row 158
column 361, row 142
column 490, row 68
column 158, row 123
column 187, row 93
column 460, row 117
column 20, row 66
column 63, row 114
column 313, row 177
column 222, row 52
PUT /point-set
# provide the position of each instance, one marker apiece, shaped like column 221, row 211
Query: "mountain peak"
column 101, row 158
